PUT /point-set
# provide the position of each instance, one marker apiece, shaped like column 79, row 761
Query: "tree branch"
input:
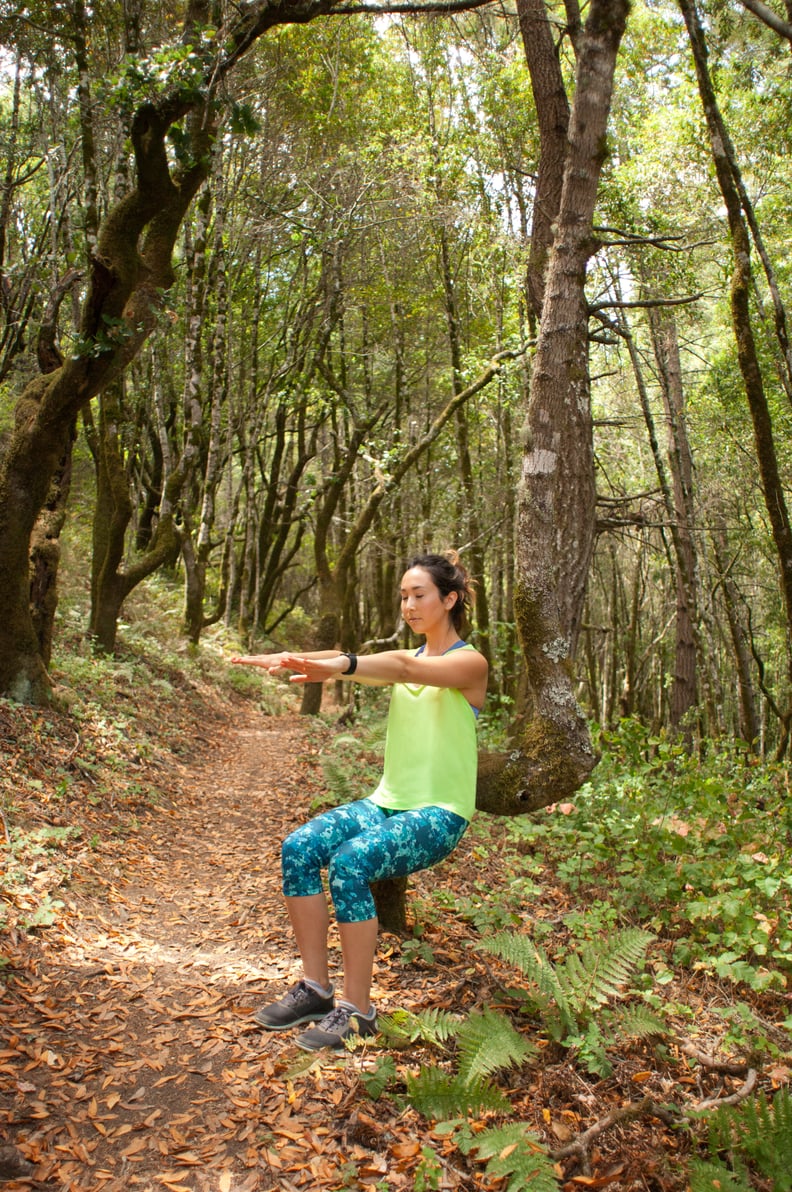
column 744, row 1091
column 643, row 303
column 769, row 18
column 367, row 514
column 671, row 1114
column 260, row 15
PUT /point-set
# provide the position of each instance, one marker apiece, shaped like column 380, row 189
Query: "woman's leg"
column 403, row 843
column 305, row 853
column 309, row 919
column 358, row 948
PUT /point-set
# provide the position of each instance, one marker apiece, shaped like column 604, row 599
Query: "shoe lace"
column 298, row 994
column 337, row 1019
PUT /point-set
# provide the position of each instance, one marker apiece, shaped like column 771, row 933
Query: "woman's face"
column 422, row 606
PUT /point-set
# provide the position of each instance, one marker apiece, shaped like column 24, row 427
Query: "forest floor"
column 128, row 1054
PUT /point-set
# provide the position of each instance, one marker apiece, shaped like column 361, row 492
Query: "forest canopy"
column 332, row 364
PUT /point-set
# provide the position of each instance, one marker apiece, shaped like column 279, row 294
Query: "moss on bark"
column 550, row 766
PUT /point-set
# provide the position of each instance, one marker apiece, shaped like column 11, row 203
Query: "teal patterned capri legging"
column 360, row 843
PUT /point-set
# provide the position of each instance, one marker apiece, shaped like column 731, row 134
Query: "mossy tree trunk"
column 111, row 579
column 45, row 554
column 556, row 497
column 45, row 549
column 129, row 273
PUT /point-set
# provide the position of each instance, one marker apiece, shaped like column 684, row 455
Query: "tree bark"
column 552, row 113
column 749, row 727
column 557, row 493
column 111, row 581
column 129, row 274
column 45, row 553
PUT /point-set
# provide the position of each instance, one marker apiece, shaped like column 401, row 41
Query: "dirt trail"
column 128, row 1057
column 128, row 1054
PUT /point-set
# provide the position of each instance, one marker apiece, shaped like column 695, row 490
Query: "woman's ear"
column 451, row 599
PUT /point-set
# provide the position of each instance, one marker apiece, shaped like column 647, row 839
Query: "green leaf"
column 516, row 1155
column 487, row 1042
column 438, row 1095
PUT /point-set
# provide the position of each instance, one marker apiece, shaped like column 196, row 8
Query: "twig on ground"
column 670, row 1114
column 735, row 1098
column 635, row 1109
column 727, row 1067
column 73, row 751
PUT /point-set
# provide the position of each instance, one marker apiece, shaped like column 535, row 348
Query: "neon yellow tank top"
column 431, row 754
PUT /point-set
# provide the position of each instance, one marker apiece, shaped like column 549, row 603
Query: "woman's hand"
column 314, row 670
column 273, row 663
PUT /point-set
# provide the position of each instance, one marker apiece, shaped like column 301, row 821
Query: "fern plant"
column 513, row 1154
column 714, row 1177
column 568, row 995
column 441, row 1095
column 429, row 1026
column 633, row 1022
column 487, row 1043
column 611, row 1026
column 760, row 1133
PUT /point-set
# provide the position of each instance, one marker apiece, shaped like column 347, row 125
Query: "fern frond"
column 515, row 1154
column 635, row 1022
column 439, row 1096
column 429, row 1026
column 377, row 1079
column 569, row 994
column 549, row 995
column 487, row 1041
column 600, row 971
column 761, row 1132
column 714, row 1177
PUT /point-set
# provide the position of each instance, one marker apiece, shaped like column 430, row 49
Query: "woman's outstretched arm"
column 465, row 670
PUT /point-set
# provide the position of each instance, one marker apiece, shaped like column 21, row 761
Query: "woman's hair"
column 448, row 575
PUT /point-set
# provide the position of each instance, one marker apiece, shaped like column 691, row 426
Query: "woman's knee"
column 294, row 847
column 349, row 876
column 300, row 867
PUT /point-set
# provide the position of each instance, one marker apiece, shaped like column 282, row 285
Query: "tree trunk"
column 684, row 688
column 747, row 713
column 112, row 515
column 557, row 493
column 29, row 462
column 129, row 275
column 111, row 580
column 390, row 899
column 45, row 550
column 552, row 112
column 45, row 554
column 468, row 516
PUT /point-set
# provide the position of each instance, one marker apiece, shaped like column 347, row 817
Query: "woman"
column 415, row 817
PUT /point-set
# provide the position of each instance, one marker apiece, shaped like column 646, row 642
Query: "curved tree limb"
column 769, row 17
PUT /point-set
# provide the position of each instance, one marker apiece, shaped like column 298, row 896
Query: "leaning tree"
column 556, row 498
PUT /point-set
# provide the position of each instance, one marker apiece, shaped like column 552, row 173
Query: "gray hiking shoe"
column 301, row 1004
column 341, row 1024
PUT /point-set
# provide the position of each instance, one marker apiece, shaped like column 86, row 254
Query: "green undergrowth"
column 666, row 877
column 693, row 849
